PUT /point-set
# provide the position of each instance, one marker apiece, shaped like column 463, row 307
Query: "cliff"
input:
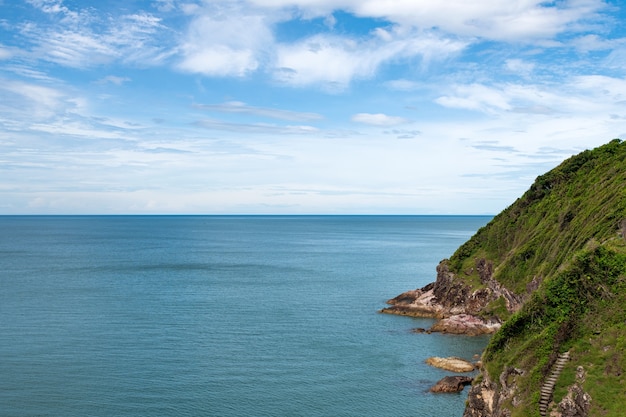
column 548, row 275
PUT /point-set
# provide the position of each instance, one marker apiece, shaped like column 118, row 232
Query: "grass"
column 567, row 232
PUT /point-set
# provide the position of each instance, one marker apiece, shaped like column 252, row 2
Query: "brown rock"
column 466, row 324
column 415, row 303
column 576, row 404
column 451, row 384
column 451, row 364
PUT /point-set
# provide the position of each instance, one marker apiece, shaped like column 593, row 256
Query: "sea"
column 222, row 315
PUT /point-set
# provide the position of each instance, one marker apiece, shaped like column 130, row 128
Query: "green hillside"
column 561, row 249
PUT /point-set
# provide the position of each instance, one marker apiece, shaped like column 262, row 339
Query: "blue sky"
column 300, row 106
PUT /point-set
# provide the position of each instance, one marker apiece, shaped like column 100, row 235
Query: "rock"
column 451, row 384
column 449, row 298
column 466, row 324
column 451, row 364
column 576, row 403
column 420, row 330
column 482, row 398
column 415, row 303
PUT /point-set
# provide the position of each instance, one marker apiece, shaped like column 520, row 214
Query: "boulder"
column 466, row 324
column 451, row 364
column 451, row 384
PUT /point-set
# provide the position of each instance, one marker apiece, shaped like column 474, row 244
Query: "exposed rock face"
column 452, row 293
column 451, row 384
column 416, row 303
column 466, row 324
column 577, row 402
column 486, row 398
column 481, row 400
column 454, row 302
column 451, row 364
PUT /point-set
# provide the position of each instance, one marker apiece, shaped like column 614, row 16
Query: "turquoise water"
column 221, row 315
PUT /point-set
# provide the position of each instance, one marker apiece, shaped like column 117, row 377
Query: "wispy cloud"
column 113, row 79
column 493, row 146
column 29, row 101
column 255, row 127
column 237, row 39
column 223, row 105
column 404, row 133
column 5, row 53
column 493, row 19
column 82, row 39
column 578, row 93
column 334, row 61
column 378, row 119
column 239, row 107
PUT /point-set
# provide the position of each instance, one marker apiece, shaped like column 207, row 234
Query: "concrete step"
column 547, row 389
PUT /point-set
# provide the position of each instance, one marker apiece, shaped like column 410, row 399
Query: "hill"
column 550, row 272
column 565, row 237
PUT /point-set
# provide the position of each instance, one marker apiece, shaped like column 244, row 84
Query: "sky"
column 300, row 106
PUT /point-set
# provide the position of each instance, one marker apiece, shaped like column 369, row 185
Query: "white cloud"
column 164, row 5
column 27, row 101
column 378, row 119
column 73, row 49
column 59, row 138
column 231, row 40
column 476, row 97
column 82, row 39
column 403, row 85
column 225, row 41
column 256, row 128
column 242, row 108
column 605, row 90
column 5, row 53
column 593, row 42
column 519, row 66
column 582, row 94
column 236, row 38
column 336, row 61
column 518, row 21
column 55, row 7
column 323, row 59
column 218, row 60
column 113, row 79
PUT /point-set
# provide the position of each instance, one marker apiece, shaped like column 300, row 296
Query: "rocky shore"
column 458, row 310
column 453, row 303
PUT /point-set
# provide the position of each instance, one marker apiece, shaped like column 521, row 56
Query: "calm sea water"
column 221, row 315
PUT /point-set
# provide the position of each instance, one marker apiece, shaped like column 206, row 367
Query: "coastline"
column 425, row 304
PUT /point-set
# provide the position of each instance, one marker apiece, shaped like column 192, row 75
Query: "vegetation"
column 568, row 234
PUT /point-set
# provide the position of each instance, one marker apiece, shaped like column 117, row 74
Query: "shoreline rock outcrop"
column 451, row 364
column 453, row 302
column 450, row 384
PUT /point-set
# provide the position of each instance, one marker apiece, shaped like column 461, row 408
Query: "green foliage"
column 496, row 308
column 578, row 304
column 568, row 232
column 556, row 309
column 584, row 198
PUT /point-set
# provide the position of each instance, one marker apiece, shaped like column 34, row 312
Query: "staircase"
column 548, row 386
